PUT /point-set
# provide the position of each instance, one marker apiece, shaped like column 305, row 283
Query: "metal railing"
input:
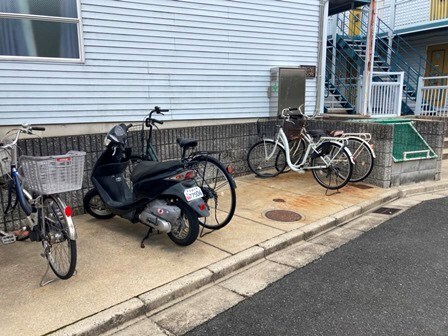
column 343, row 74
column 386, row 94
column 432, row 97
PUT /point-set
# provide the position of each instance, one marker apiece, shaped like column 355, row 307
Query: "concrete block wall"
column 433, row 131
column 233, row 141
column 382, row 139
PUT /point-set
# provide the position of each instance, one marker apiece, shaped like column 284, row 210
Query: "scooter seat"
column 149, row 168
column 188, row 143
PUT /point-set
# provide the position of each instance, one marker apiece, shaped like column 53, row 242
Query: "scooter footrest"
column 8, row 239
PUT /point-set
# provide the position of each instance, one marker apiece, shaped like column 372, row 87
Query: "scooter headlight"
column 106, row 141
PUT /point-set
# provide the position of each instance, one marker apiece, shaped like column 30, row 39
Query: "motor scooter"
column 161, row 195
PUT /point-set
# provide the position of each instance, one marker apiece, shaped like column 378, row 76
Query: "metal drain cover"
column 283, row 215
column 386, row 211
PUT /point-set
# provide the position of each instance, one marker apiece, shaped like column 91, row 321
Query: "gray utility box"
column 287, row 89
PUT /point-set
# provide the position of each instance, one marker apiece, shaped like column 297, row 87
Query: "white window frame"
column 77, row 21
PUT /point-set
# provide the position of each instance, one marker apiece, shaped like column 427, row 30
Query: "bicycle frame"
column 282, row 141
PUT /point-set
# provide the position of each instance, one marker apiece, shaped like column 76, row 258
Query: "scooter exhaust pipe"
column 155, row 222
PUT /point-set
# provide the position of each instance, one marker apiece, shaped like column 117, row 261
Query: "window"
column 40, row 28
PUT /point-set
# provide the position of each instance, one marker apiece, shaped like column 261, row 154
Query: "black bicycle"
column 215, row 180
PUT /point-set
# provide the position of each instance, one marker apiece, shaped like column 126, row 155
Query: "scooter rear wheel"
column 94, row 205
column 186, row 230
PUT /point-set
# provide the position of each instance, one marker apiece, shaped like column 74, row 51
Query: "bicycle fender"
column 368, row 145
column 70, row 225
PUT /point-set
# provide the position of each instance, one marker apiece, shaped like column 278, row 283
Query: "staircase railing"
column 388, row 53
column 432, row 98
column 386, row 95
column 345, row 78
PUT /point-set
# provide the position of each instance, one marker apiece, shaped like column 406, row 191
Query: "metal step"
column 338, row 110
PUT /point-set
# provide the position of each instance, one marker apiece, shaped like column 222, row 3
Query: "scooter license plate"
column 193, row 193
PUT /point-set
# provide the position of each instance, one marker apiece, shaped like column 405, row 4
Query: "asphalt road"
column 392, row 280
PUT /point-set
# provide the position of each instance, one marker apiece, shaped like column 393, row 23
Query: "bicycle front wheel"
column 363, row 157
column 218, row 188
column 266, row 158
column 336, row 165
column 60, row 249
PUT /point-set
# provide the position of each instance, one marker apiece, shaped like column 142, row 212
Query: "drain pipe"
column 322, row 56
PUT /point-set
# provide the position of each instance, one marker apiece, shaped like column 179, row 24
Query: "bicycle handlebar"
column 285, row 111
column 158, row 110
column 25, row 128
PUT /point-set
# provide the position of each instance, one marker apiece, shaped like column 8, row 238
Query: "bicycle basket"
column 53, row 174
column 293, row 127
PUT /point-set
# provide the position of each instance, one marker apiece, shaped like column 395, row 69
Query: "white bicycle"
column 328, row 158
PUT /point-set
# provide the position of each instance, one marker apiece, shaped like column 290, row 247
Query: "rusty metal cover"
column 283, row 215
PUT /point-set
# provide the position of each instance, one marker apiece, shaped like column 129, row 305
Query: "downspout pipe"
column 370, row 54
column 322, row 56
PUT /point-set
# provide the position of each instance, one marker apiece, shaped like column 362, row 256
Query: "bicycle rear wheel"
column 60, row 248
column 337, row 173
column 218, row 188
column 363, row 157
column 266, row 159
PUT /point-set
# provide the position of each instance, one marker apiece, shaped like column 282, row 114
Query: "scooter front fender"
column 198, row 205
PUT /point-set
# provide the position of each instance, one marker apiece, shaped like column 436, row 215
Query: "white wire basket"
column 53, row 174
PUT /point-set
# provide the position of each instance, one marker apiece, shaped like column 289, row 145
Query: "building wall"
column 201, row 59
column 420, row 42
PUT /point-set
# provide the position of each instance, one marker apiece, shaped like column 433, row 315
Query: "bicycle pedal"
column 301, row 171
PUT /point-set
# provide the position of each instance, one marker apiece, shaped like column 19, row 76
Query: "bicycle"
column 49, row 219
column 212, row 177
column 358, row 144
column 328, row 158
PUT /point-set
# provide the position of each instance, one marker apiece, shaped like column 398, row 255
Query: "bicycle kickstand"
column 42, row 281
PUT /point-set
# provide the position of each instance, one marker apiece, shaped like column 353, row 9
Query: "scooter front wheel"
column 186, row 229
column 94, row 205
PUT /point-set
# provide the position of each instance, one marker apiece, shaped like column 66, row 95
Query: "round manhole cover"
column 283, row 215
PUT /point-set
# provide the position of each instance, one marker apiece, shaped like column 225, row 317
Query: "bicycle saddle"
column 149, row 168
column 317, row 133
column 187, row 143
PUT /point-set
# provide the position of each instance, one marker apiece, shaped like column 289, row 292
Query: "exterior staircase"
column 350, row 61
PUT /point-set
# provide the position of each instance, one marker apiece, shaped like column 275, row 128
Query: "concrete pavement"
column 117, row 281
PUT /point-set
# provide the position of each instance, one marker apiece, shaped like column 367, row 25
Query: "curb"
column 137, row 306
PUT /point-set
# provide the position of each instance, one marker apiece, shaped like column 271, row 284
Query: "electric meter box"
column 287, row 89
